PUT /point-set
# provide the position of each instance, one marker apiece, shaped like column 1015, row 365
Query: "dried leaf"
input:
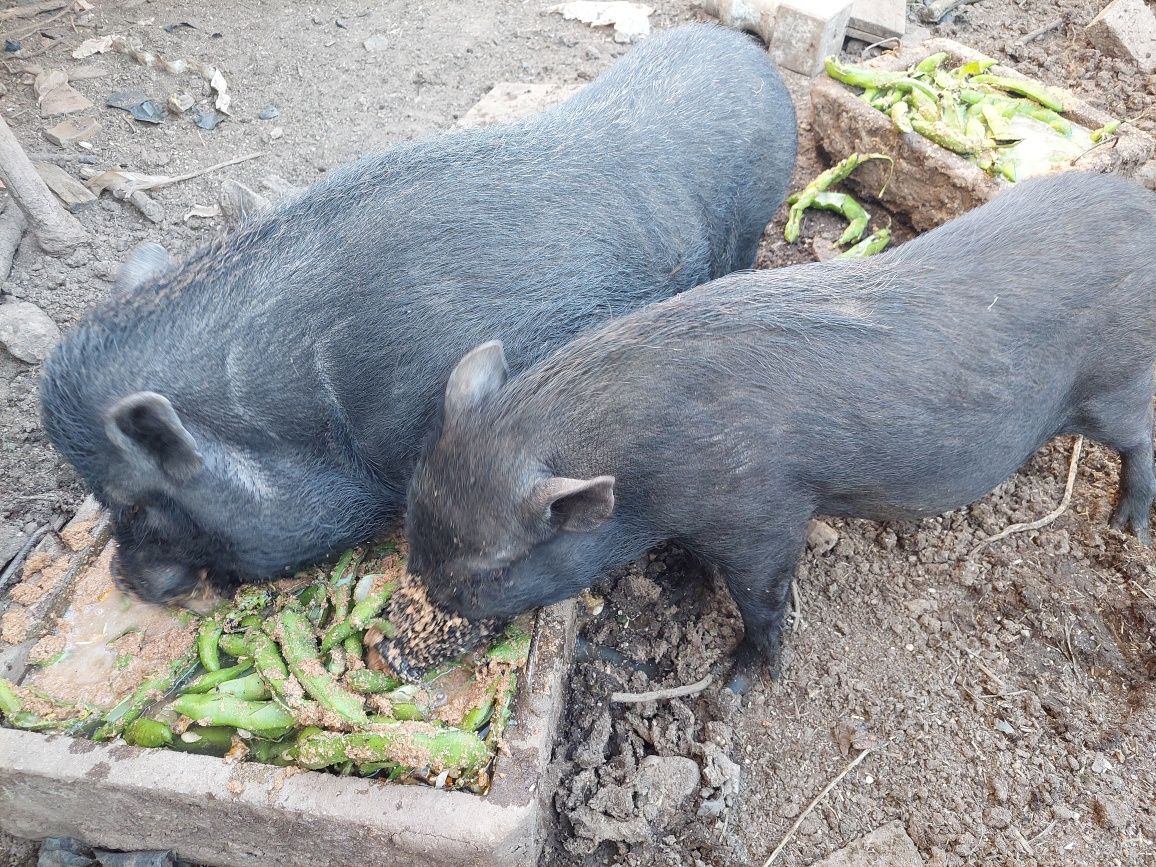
column 630, row 20
column 96, row 45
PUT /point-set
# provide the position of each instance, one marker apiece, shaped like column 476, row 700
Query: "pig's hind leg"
column 759, row 579
column 1122, row 420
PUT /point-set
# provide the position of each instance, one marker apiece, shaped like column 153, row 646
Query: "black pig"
column 896, row 387
column 260, row 406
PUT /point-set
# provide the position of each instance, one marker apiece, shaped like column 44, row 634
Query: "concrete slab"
column 872, row 20
column 1126, row 28
column 251, row 815
column 807, row 31
column 931, row 185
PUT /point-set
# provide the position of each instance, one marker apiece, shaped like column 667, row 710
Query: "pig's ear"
column 146, row 428
column 143, row 263
column 576, row 505
column 481, row 371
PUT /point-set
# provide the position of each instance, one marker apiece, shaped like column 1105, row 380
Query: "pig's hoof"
column 1135, row 516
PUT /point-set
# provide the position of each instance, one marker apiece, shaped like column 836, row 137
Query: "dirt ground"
column 1007, row 694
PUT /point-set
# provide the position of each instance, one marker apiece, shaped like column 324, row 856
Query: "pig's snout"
column 157, row 582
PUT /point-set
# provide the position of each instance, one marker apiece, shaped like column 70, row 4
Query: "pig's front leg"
column 760, row 582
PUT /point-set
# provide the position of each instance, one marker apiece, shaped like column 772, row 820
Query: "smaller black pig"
column 896, row 387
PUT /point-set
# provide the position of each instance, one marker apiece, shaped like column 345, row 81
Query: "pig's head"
column 187, row 506
column 492, row 530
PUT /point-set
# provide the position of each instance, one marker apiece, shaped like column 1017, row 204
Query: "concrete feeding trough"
column 931, row 185
column 212, row 812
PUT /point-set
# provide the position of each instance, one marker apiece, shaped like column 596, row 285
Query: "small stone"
column 1064, row 814
column 73, row 130
column 276, row 133
column 1006, row 727
column 26, row 331
column 61, row 99
column 999, row 789
column 821, row 537
column 1073, row 763
column 179, row 103
column 374, row 43
column 269, row 112
column 1100, row 765
column 1127, row 29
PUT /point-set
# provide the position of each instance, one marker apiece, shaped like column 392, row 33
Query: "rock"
column 26, row 331
column 1100, row 765
column 665, row 783
column 64, row 852
column 509, row 100
column 376, row 43
column 821, row 537
column 1127, row 29
column 807, row 31
column 73, row 130
column 872, row 20
column 70, row 191
column 888, row 845
column 64, row 99
column 181, row 102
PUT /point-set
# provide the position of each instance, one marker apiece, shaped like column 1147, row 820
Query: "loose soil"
column 1008, row 697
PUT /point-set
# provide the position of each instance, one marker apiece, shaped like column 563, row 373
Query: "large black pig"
column 259, row 406
column 897, row 387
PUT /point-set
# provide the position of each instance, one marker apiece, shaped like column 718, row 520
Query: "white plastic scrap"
column 631, row 21
column 120, row 45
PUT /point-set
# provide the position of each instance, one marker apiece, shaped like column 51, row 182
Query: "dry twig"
column 803, row 815
column 1048, row 518
column 660, row 694
column 57, row 231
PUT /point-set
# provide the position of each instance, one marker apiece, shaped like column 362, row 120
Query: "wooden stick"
column 659, row 694
column 33, row 9
column 1051, row 516
column 803, row 815
column 1039, row 31
column 57, row 231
